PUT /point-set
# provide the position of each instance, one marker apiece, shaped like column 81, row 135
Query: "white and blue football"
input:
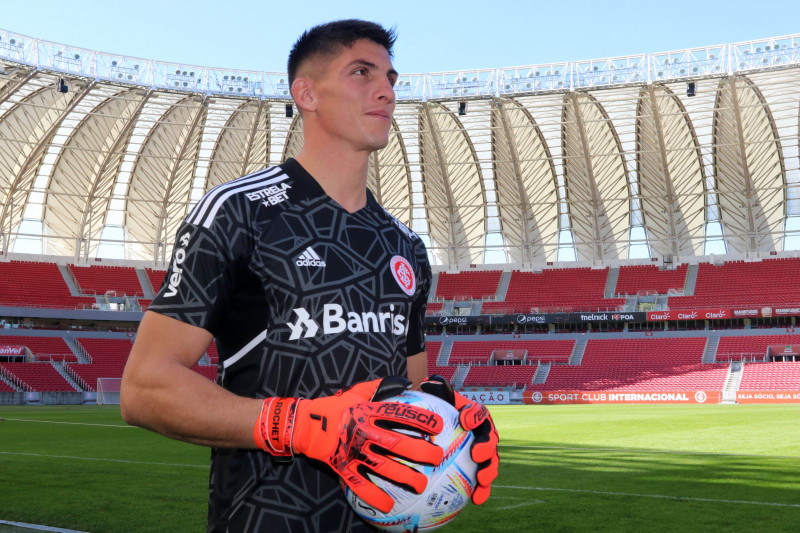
column 450, row 484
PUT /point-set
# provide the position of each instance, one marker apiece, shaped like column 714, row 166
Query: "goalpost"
column 108, row 391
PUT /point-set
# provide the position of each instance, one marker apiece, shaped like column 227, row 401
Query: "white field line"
column 37, row 527
column 657, row 496
column 46, row 456
column 636, row 450
column 68, row 423
column 523, row 502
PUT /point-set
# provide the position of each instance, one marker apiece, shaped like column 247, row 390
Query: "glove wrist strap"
column 275, row 426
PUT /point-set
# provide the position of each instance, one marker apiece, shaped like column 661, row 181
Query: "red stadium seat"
column 476, row 285
column 32, row 284
column 568, row 289
column 771, row 376
column 39, row 377
column 637, row 278
column 108, row 360
column 480, row 352
column 639, row 364
column 123, row 281
column 744, row 285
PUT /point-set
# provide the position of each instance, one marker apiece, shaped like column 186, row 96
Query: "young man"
column 309, row 286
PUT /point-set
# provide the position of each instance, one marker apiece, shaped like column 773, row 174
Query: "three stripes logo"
column 310, row 258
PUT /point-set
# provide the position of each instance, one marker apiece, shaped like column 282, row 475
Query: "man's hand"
column 476, row 418
column 347, row 431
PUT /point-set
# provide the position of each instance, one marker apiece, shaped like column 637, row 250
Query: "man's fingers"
column 473, row 415
column 481, row 494
column 485, row 446
column 396, row 472
column 372, row 495
column 488, row 474
column 407, row 416
column 414, row 449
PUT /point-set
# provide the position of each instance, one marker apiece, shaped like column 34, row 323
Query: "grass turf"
column 563, row 468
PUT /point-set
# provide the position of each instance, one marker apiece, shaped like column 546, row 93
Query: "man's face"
column 355, row 96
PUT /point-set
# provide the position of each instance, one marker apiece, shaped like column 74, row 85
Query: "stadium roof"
column 675, row 154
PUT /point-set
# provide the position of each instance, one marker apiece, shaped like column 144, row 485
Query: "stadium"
column 613, row 231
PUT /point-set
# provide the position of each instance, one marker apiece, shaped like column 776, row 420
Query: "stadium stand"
column 771, row 376
column 447, row 372
column 33, row 284
column 637, row 278
column 434, row 308
column 108, row 358
column 486, row 376
column 475, row 285
column 607, row 364
column 639, row 364
column 102, row 279
column 742, row 285
column 156, row 278
column 41, row 348
column 37, row 377
column 750, row 347
column 567, row 289
column 480, row 352
column 433, row 350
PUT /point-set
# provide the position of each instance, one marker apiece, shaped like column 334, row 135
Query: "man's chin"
column 378, row 145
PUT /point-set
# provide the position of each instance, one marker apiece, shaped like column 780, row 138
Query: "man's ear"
column 304, row 95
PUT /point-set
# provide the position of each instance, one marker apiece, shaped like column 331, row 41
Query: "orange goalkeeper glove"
column 353, row 435
column 476, row 418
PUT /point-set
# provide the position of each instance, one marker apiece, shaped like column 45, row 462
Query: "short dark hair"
column 326, row 39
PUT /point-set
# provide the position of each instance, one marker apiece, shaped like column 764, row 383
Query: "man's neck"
column 342, row 175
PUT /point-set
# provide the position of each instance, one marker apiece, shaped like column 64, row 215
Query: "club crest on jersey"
column 403, row 274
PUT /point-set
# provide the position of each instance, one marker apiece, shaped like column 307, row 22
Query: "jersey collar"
column 312, row 187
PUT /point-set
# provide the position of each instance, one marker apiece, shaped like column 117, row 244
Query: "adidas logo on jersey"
column 309, row 258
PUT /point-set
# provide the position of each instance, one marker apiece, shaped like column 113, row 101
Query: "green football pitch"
column 563, row 468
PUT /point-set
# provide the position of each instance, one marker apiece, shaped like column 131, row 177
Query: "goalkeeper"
column 315, row 295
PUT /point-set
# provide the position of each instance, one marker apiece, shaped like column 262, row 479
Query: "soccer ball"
column 450, row 484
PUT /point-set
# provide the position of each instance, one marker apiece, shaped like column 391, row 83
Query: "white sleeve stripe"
column 200, row 209
column 207, row 208
column 208, row 197
column 245, row 350
column 208, row 218
column 205, row 217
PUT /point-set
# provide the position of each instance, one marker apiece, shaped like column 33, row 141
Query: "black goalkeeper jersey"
column 303, row 298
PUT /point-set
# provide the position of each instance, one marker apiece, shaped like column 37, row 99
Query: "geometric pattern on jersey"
column 303, row 298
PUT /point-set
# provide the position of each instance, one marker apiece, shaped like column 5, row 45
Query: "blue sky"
column 433, row 36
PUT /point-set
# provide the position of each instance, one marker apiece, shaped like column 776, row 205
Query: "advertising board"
column 614, row 397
